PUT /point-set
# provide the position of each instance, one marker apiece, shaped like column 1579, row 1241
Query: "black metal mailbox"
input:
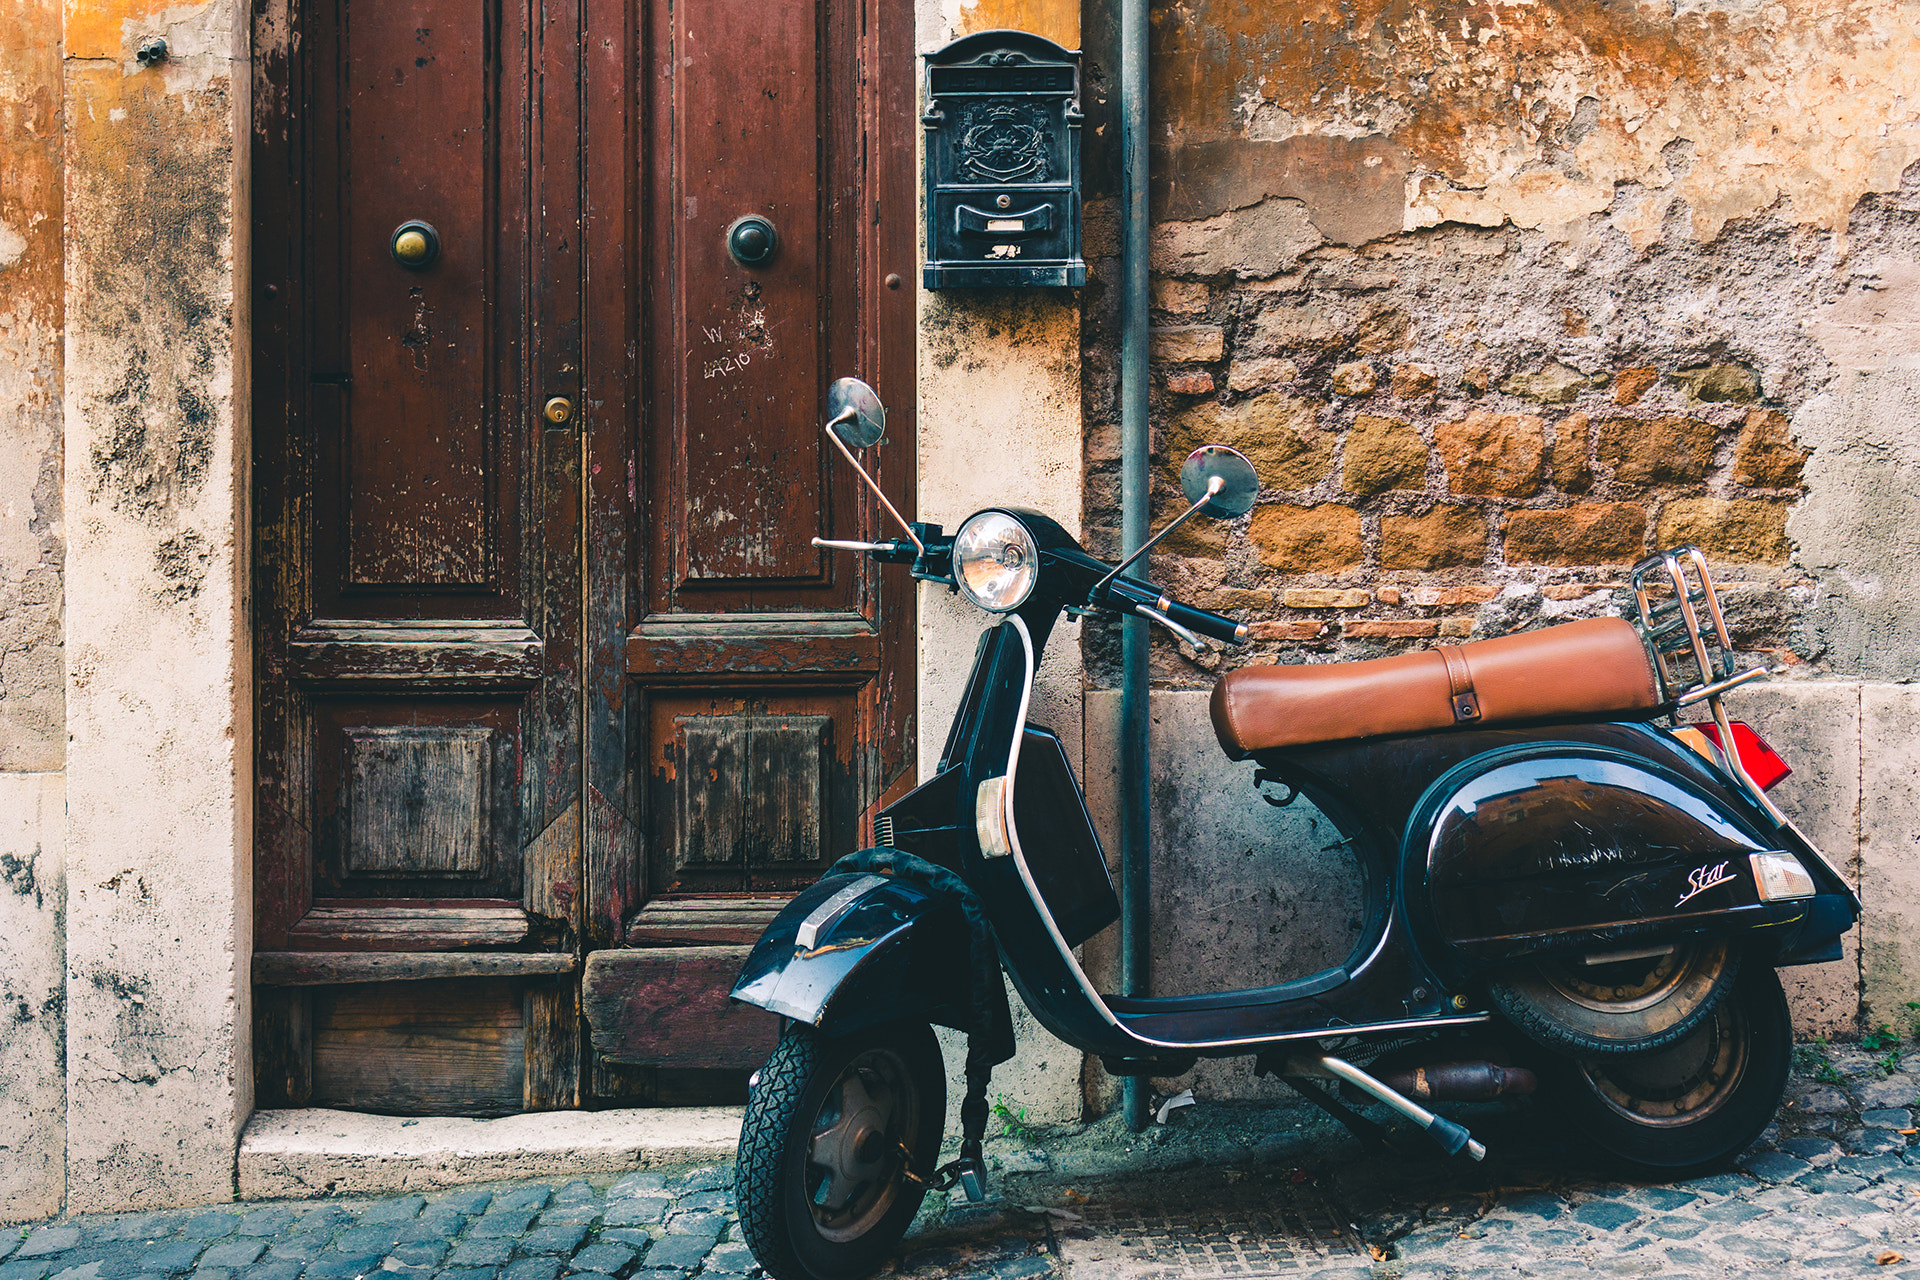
column 1003, row 163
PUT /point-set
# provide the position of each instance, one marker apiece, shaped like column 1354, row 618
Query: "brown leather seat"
column 1593, row 667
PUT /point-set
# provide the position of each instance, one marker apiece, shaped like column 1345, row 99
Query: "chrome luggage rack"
column 1686, row 632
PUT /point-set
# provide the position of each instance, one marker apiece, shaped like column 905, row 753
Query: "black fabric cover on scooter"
column 990, row 1038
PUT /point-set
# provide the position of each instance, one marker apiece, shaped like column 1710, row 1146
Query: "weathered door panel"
column 487, row 640
column 769, row 684
column 418, row 547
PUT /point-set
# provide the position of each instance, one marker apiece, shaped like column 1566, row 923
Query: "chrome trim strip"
column 828, row 913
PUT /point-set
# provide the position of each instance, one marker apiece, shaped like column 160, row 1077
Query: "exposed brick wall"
column 1464, row 432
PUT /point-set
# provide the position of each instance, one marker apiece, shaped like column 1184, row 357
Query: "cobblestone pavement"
column 1833, row 1189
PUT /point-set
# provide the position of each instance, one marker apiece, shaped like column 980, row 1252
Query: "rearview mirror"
column 855, row 414
column 1233, row 496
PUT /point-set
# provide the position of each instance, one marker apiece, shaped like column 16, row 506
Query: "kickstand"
column 1369, row 1133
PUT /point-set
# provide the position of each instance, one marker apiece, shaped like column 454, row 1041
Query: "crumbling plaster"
column 159, row 707
column 1540, row 114
column 32, row 552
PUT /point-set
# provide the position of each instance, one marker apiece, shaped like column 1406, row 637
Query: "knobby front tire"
column 820, row 1181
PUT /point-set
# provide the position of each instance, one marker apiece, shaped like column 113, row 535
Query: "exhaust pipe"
column 1461, row 1082
column 1453, row 1138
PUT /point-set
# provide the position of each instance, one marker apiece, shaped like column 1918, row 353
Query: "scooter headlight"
column 995, row 561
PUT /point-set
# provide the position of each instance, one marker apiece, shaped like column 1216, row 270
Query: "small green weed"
column 1913, row 1016
column 1820, row 1060
column 1013, row 1120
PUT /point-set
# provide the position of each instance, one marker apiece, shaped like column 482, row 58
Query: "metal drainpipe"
column 1135, row 795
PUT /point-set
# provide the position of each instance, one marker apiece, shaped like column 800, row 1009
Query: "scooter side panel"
column 858, row 950
column 1563, row 851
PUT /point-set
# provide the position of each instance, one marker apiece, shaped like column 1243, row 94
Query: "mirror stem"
column 1213, row 487
column 847, row 453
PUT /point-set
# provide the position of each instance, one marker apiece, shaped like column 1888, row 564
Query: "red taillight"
column 1759, row 760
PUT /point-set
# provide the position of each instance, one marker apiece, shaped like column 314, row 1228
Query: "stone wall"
column 1462, row 430
column 1500, row 298
column 32, row 555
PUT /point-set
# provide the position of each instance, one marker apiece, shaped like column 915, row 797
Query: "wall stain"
column 149, row 301
column 1536, row 113
column 18, row 875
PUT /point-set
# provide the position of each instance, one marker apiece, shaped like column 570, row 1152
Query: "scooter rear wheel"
column 831, row 1125
column 1694, row 1104
column 1622, row 1007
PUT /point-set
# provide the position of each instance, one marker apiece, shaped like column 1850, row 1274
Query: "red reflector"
column 1759, row 760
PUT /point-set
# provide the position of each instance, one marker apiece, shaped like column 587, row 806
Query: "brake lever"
column 840, row 545
column 1148, row 611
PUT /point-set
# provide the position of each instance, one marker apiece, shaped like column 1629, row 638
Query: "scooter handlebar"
column 1218, row 626
column 1133, row 595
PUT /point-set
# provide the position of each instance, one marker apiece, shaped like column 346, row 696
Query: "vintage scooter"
column 1557, row 890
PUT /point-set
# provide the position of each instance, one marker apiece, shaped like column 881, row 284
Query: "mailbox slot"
column 1003, row 163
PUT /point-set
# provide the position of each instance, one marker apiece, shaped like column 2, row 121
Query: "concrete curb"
column 317, row 1152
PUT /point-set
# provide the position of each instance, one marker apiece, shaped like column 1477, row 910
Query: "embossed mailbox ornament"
column 1003, row 163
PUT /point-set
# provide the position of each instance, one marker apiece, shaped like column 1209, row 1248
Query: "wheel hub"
column 854, row 1156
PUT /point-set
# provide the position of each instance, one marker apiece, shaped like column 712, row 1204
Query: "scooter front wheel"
column 1693, row 1104
column 834, row 1127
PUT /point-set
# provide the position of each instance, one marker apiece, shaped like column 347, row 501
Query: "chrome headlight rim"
column 984, row 538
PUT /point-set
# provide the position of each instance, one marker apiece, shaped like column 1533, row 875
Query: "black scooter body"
column 1610, row 836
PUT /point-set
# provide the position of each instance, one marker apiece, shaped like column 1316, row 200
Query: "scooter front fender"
column 857, row 950
column 1567, row 848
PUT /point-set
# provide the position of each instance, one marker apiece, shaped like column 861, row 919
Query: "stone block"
column 1190, row 384
column 1889, row 852
column 1496, row 454
column 1449, row 597
column 1669, row 449
column 1290, row 327
column 1186, row 344
column 1413, row 380
column 1718, row 383
column 1326, row 598
column 1355, row 378
column 1280, row 434
column 1178, row 297
column 1458, row 626
column 1318, row 539
column 1554, row 383
column 1569, row 465
column 1632, row 383
column 1254, row 372
column 1592, row 533
column 564, row 1238
column 1225, row 598
column 1815, row 727
column 1250, row 243
column 48, row 1240
column 1443, row 538
column 1391, row 629
column 1308, row 630
column 1739, row 529
column 1383, row 454
column 1765, row 457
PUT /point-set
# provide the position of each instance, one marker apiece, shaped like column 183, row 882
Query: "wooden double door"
column 557, row 703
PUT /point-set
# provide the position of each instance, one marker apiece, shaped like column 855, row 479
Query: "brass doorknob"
column 414, row 245
column 559, row 411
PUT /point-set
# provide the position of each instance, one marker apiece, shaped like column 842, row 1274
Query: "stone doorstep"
column 316, row 1152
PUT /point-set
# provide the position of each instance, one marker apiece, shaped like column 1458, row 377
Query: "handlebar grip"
column 1214, row 625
